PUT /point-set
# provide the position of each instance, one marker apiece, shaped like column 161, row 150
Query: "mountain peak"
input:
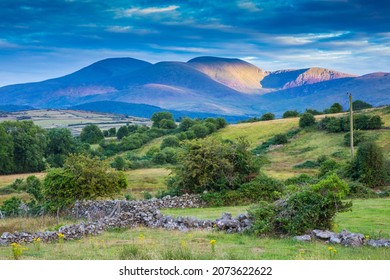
column 235, row 73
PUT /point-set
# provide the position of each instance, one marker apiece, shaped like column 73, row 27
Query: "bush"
column 81, row 178
column 290, row 114
column 199, row 130
column 262, row 188
column 327, row 166
column 267, row 117
column 369, row 165
column 313, row 112
column 335, row 108
column 306, row 120
column 358, row 190
column 163, row 120
column 360, row 105
column 358, row 137
column 280, row 139
column 10, row 207
column 313, row 207
column 91, row 134
column 301, row 179
column 170, row 141
column 213, row 165
column 308, row 164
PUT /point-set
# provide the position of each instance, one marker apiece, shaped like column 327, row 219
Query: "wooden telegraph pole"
column 351, row 123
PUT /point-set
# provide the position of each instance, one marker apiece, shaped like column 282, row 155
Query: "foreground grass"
column 368, row 217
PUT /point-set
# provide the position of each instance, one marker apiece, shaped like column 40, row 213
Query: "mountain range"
column 209, row 85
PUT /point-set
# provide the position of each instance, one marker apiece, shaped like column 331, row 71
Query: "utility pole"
column 351, row 123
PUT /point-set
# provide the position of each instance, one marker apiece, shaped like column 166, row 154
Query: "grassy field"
column 368, row 216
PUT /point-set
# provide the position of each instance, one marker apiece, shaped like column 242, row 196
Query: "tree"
column 91, row 134
column 60, row 143
column 170, row 141
column 200, row 130
column 123, row 131
column 29, row 143
column 119, row 163
column 369, row 165
column 213, row 165
column 81, row 178
column 186, row 123
column 290, row 114
column 360, row 105
column 306, row 120
column 112, row 132
column 335, row 108
column 267, row 117
column 163, row 120
column 6, row 152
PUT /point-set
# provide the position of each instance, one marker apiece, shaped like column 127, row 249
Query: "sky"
column 44, row 39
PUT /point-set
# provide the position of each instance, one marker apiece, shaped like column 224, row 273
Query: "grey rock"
column 323, row 234
column 335, row 240
column 305, row 237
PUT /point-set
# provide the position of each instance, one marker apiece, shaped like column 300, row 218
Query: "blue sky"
column 43, row 39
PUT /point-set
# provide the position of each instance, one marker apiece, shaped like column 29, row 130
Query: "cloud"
column 145, row 11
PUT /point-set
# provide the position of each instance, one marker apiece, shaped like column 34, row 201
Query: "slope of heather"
column 234, row 73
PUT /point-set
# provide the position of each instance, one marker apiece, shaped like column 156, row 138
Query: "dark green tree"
column 91, row 134
column 186, row 123
column 112, row 132
column 306, row 120
column 360, row 105
column 335, row 108
column 163, row 120
column 170, row 141
column 29, row 143
column 369, row 165
column 123, row 131
column 6, row 152
column 267, row 117
column 60, row 143
column 290, row 114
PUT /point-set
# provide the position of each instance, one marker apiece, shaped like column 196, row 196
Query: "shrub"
column 375, row 122
column 10, row 207
column 360, row 105
column 301, row 179
column 313, row 207
column 309, row 164
column 327, row 166
column 199, row 130
column 81, row 178
column 313, row 112
column 91, row 134
column 358, row 137
column 213, row 165
column 335, row 108
column 306, row 120
column 267, row 117
column 119, row 163
column 262, row 188
column 147, row 195
column 369, row 165
column 280, row 139
column 170, row 141
column 290, row 114
column 163, row 120
column 358, row 190
column 123, row 131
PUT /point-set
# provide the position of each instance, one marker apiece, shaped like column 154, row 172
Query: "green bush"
column 358, row 190
column 360, row 105
column 290, row 114
column 313, row 207
column 358, row 137
column 327, row 166
column 170, row 141
column 91, row 134
column 301, row 179
column 308, row 164
column 10, row 207
column 369, row 165
column 280, row 139
column 267, row 117
column 306, row 120
column 262, row 188
column 147, row 195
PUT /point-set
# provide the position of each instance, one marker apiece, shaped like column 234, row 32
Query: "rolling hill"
column 209, row 85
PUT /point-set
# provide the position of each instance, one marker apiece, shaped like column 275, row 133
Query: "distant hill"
column 145, row 111
column 209, row 85
column 14, row 108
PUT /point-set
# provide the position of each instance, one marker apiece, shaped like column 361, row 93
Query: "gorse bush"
column 311, row 207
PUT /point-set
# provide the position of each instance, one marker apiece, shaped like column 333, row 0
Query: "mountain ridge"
column 227, row 86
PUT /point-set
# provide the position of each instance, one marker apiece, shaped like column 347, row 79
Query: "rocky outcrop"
column 345, row 238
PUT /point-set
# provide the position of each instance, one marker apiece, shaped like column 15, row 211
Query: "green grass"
column 205, row 213
column 147, row 179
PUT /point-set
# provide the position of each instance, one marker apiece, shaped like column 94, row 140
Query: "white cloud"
column 145, row 11
column 249, row 6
